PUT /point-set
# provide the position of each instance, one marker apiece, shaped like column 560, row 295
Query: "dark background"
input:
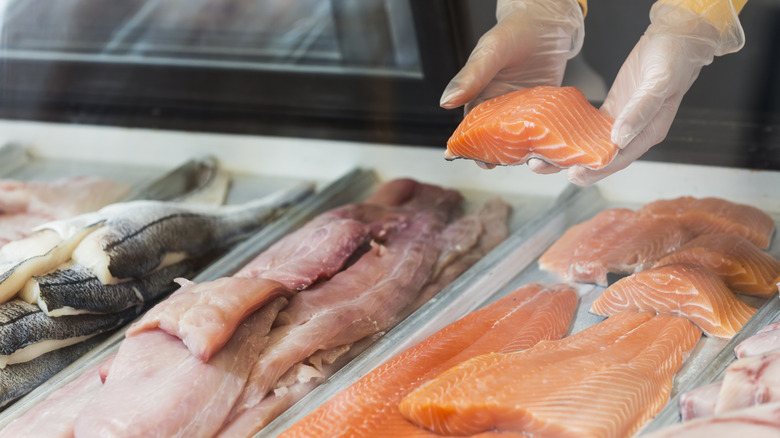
column 730, row 117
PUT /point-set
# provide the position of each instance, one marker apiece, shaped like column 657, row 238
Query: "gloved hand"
column 528, row 46
column 658, row 72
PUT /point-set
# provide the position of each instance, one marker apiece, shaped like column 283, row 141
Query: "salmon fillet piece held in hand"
column 555, row 124
column 605, row 381
column 679, row 289
column 369, row 407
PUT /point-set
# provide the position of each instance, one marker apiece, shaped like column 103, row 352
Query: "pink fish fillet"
column 360, row 301
column 750, row 381
column 314, row 252
column 615, row 240
column 699, row 402
column 756, row 422
column 715, row 215
column 54, row 416
column 156, row 388
column 25, row 205
column 766, row 340
column 464, row 242
column 205, row 315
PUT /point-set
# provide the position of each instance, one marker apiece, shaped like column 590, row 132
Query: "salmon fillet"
column 679, row 289
column 736, row 260
column 555, row 124
column 615, row 240
column 605, row 381
column 370, row 406
column 715, row 215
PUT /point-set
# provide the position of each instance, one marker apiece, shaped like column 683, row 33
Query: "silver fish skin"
column 142, row 233
column 77, row 290
column 26, row 332
column 19, row 379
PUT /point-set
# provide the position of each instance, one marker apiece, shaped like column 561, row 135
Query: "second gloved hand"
column 528, row 46
column 658, row 72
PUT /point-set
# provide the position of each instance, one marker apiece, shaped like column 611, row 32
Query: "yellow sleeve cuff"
column 584, row 6
column 716, row 11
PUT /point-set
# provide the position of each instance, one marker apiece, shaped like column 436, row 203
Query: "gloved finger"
column 654, row 133
column 640, row 110
column 583, row 176
column 542, row 167
column 487, row 58
column 493, row 89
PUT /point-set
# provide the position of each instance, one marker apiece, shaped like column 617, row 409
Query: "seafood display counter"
column 347, row 186
column 543, row 208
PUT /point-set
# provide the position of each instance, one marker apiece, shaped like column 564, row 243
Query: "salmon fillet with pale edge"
column 370, row 406
column 615, row 240
column 715, row 216
column 679, row 289
column 605, row 381
column 555, row 124
column 737, row 261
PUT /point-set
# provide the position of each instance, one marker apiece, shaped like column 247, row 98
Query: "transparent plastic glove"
column 656, row 75
column 528, row 46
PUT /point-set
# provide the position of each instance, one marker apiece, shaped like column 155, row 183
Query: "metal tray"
column 352, row 187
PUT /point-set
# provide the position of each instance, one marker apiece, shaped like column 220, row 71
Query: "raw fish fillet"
column 26, row 332
column 141, row 236
column 615, row 240
column 322, row 247
column 205, row 315
column 679, row 289
column 736, row 260
column 74, row 289
column 19, row 379
column 46, row 254
column 699, row 402
column 370, row 407
column 360, row 301
column 555, row 124
column 756, row 422
column 25, row 205
column 149, row 391
column 605, row 381
column 766, row 340
column 314, row 252
column 715, row 216
column 463, row 243
column 750, row 381
column 298, row 381
column 54, row 416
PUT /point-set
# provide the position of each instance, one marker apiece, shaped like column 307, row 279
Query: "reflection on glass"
column 362, row 36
